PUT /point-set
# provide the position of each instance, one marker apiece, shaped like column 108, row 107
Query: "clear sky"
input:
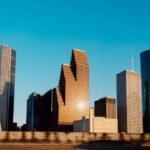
column 43, row 32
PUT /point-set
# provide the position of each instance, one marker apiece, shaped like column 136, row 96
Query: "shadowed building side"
column 145, row 71
column 44, row 111
column 105, row 107
column 71, row 97
column 39, row 112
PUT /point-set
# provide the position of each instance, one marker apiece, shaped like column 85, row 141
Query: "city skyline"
column 58, row 108
column 92, row 96
column 99, row 95
column 39, row 31
column 70, row 79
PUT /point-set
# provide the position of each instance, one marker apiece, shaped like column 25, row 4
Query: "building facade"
column 129, row 102
column 105, row 107
column 95, row 124
column 145, row 71
column 45, row 112
column 32, row 112
column 7, row 86
column 71, row 97
column 39, row 111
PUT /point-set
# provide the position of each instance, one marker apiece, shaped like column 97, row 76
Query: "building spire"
column 132, row 59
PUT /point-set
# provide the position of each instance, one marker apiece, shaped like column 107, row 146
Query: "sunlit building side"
column 71, row 97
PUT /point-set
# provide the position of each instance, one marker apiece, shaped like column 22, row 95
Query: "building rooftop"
column 79, row 50
column 33, row 94
column 129, row 71
column 107, row 97
column 5, row 46
column 146, row 51
column 65, row 64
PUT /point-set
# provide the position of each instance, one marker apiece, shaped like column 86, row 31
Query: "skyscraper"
column 7, row 83
column 145, row 70
column 71, row 97
column 32, row 112
column 39, row 112
column 105, row 107
column 129, row 102
column 44, row 112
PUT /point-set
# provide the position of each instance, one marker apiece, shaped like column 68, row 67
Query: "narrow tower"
column 129, row 102
column 145, row 70
column 7, row 84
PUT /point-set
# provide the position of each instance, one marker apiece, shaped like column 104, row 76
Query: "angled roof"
column 79, row 57
column 68, row 74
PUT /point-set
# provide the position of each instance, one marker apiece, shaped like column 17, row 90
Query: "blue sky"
column 43, row 32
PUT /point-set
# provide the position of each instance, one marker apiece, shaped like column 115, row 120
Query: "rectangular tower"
column 7, row 86
column 44, row 112
column 32, row 112
column 145, row 70
column 39, row 112
column 105, row 107
column 129, row 102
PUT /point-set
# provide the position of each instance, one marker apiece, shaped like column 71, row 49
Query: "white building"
column 96, row 124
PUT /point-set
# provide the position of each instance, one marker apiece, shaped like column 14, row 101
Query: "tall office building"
column 7, row 83
column 45, row 112
column 71, row 97
column 39, row 112
column 145, row 70
column 32, row 112
column 129, row 102
column 105, row 107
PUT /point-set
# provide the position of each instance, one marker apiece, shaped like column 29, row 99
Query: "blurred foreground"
column 86, row 146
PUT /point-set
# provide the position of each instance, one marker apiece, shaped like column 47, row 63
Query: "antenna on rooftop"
column 132, row 59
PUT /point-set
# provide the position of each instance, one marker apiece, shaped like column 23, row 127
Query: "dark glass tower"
column 145, row 70
column 39, row 112
column 105, row 107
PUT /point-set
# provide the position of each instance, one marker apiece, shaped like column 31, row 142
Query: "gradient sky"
column 43, row 32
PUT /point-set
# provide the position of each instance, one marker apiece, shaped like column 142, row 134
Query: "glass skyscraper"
column 71, row 97
column 145, row 70
column 7, row 83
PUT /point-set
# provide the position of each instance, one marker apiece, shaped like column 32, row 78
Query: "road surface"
column 96, row 146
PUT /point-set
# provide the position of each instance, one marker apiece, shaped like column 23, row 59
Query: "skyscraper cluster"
column 66, row 107
column 67, row 102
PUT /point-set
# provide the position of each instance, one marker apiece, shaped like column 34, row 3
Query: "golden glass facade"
column 7, row 81
column 71, row 97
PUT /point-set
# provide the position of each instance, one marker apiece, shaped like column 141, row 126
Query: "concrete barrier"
column 68, row 137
